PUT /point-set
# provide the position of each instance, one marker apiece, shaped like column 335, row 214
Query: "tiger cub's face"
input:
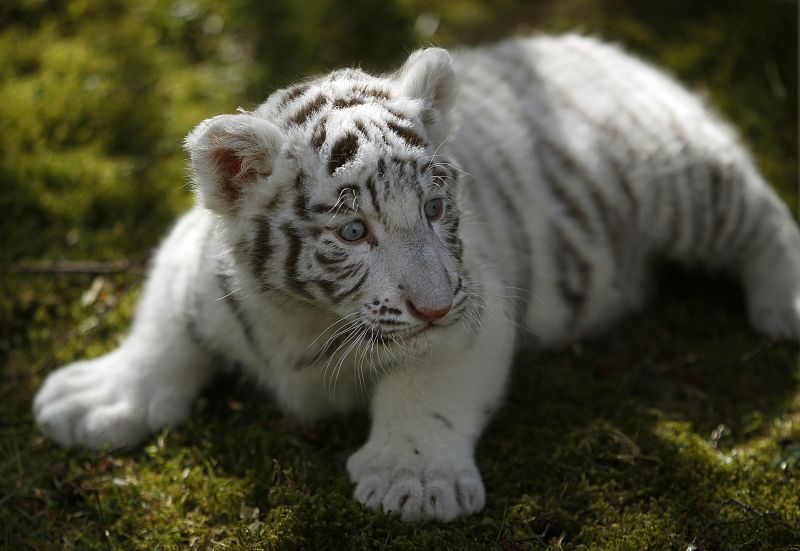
column 333, row 194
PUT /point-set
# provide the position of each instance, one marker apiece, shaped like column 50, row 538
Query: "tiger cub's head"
column 334, row 193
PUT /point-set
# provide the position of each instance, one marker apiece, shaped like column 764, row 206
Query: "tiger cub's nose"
column 426, row 314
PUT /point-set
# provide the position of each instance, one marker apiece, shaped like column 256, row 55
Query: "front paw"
column 102, row 402
column 416, row 485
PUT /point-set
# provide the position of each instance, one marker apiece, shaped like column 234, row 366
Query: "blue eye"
column 353, row 231
column 433, row 209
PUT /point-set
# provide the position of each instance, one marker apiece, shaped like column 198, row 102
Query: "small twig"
column 6, row 424
column 7, row 497
column 769, row 517
column 765, row 345
column 50, row 358
column 76, row 267
column 502, row 523
column 104, row 529
column 538, row 538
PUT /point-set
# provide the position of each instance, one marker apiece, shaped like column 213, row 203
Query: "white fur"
column 526, row 247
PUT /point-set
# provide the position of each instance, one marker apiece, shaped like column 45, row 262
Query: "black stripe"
column 703, row 206
column 291, row 94
column 609, row 218
column 273, row 203
column 343, row 151
column 224, row 282
column 333, row 290
column 393, row 322
column 291, row 274
column 571, row 170
column 454, row 243
column 657, row 214
column 329, row 288
column 319, row 208
column 396, row 114
column 545, row 153
column 724, row 195
column 373, row 194
column 459, row 285
column 758, row 235
column 574, row 276
column 406, row 177
column 411, row 138
column 309, row 109
column 515, row 222
column 324, row 258
column 717, row 210
column 301, row 206
column 606, row 130
column 521, row 244
column 320, row 134
column 444, row 420
column 355, row 287
column 300, row 200
column 733, row 213
column 344, row 103
column 646, row 128
column 513, row 217
column 371, row 91
column 626, row 186
column 346, row 271
column 429, row 117
column 675, row 234
column 262, row 249
column 362, row 129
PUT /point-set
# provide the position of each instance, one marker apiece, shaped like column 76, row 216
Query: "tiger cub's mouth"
column 390, row 337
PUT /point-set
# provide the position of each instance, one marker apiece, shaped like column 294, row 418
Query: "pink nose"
column 425, row 314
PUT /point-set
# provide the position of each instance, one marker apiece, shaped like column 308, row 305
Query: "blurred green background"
column 638, row 440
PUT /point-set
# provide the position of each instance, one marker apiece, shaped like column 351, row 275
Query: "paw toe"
column 470, row 493
column 404, row 498
column 440, row 501
column 370, row 491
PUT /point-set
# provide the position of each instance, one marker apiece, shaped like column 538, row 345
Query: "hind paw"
column 778, row 320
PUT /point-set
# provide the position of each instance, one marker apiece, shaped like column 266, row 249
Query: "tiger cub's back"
column 586, row 161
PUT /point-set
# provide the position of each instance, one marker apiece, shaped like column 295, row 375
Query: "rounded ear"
column 229, row 153
column 429, row 75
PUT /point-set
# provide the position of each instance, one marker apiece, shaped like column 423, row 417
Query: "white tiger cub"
column 340, row 256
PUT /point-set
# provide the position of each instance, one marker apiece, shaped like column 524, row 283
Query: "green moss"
column 680, row 428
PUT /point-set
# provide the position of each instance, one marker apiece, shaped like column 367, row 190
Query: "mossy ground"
column 678, row 430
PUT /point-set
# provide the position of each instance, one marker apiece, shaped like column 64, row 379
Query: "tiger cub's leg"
column 769, row 264
column 118, row 399
column 146, row 384
column 721, row 213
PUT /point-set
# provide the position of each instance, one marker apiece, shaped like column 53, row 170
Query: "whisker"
column 328, row 328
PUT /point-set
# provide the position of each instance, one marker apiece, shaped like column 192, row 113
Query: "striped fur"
column 519, row 189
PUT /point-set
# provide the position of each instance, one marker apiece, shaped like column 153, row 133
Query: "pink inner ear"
column 230, row 168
